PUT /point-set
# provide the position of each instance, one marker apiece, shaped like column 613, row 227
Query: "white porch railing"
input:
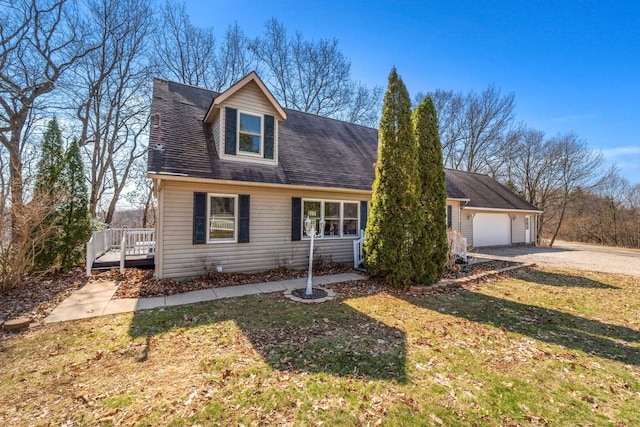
column 137, row 241
column 98, row 245
column 358, row 252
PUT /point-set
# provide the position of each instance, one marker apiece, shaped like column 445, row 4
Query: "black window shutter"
column 364, row 214
column 199, row 218
column 269, row 130
column 231, row 119
column 449, row 216
column 243, row 219
column 296, row 218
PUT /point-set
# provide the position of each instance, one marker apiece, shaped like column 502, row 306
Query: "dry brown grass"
column 548, row 347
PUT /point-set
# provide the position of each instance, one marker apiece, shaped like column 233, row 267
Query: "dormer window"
column 249, row 134
column 244, row 122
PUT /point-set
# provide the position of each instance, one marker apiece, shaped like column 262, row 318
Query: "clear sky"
column 573, row 65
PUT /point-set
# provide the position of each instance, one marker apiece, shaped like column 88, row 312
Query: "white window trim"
column 341, row 227
column 235, row 218
column 247, row 153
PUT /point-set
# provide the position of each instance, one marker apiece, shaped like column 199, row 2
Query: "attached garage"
column 491, row 229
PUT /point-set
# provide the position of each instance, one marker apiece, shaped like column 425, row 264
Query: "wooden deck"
column 138, row 243
column 111, row 259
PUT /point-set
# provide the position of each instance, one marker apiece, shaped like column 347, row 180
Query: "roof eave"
column 186, row 178
column 478, row 208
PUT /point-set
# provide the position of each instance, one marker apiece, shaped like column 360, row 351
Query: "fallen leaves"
column 37, row 295
column 136, row 283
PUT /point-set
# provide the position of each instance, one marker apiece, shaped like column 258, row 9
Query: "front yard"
column 548, row 347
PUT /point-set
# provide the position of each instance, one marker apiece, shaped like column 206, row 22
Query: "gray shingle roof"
column 485, row 192
column 313, row 151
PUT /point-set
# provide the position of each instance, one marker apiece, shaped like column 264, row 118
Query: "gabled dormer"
column 244, row 121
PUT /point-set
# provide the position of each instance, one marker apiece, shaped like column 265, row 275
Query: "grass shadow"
column 564, row 280
column 331, row 337
column 548, row 325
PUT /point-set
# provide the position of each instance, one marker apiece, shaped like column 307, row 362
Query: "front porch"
column 121, row 247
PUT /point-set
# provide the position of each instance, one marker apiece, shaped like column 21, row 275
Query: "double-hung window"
column 341, row 218
column 222, row 218
column 250, row 134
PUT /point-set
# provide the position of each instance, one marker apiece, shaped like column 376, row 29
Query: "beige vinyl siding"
column 248, row 99
column 517, row 228
column 270, row 243
column 455, row 214
column 217, row 135
column 466, row 225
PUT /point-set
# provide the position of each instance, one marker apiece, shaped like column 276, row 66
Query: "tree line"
column 90, row 64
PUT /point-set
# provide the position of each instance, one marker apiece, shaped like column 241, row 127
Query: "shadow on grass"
column 330, row 337
column 543, row 324
column 565, row 280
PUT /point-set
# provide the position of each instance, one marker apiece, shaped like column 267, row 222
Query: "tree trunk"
column 145, row 209
column 16, row 185
column 555, row 233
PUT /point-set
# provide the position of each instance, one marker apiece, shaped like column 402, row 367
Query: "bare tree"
column 141, row 197
column 473, row 127
column 534, row 171
column 449, row 108
column 578, row 167
column 314, row 77
column 235, row 58
column 113, row 83
column 613, row 191
column 365, row 105
column 40, row 41
column 487, row 120
column 183, row 51
column 274, row 51
column 633, row 201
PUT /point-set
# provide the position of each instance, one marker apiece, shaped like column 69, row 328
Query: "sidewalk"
column 95, row 298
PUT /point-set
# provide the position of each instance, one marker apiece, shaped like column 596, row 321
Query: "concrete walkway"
column 95, row 298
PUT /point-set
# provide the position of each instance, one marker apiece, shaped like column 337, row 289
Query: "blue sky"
column 573, row 65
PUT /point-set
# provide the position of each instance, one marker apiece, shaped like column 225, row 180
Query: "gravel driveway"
column 570, row 255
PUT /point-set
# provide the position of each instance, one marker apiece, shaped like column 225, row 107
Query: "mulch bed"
column 140, row 283
column 37, row 296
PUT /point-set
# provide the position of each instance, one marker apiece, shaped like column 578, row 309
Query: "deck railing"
column 137, row 241
column 98, row 245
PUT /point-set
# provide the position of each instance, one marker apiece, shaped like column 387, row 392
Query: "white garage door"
column 491, row 229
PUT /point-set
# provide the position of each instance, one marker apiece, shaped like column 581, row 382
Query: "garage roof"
column 485, row 192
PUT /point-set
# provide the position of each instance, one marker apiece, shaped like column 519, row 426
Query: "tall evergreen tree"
column 48, row 195
column 74, row 209
column 51, row 160
column 396, row 215
column 430, row 254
